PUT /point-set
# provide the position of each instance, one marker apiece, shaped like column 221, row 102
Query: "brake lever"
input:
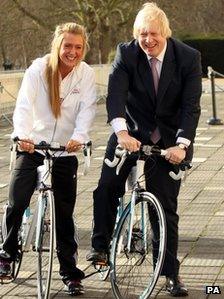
column 182, row 173
column 13, row 156
column 119, row 158
column 119, row 165
column 87, row 152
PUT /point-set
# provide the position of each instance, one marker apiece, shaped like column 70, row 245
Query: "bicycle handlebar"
column 54, row 146
column 121, row 154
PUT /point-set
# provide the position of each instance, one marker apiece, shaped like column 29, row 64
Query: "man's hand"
column 127, row 142
column 26, row 145
column 73, row 146
column 175, row 154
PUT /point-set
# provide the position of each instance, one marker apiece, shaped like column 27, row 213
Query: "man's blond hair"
column 151, row 12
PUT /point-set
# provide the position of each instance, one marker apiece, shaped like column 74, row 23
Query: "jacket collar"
column 168, row 68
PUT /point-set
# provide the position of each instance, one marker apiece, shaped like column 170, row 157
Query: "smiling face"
column 150, row 39
column 71, row 52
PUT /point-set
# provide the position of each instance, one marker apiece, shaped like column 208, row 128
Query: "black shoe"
column 74, row 287
column 176, row 287
column 97, row 256
column 5, row 268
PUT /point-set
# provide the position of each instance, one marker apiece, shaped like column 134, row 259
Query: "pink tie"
column 155, row 74
column 155, row 136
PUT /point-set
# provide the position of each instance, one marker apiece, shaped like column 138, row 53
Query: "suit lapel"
column 167, row 72
column 145, row 74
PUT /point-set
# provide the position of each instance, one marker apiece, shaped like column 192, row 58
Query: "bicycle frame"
column 132, row 249
column 43, row 184
column 42, row 222
column 139, row 172
column 44, row 174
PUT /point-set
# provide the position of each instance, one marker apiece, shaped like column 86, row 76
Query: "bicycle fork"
column 131, row 220
column 142, row 219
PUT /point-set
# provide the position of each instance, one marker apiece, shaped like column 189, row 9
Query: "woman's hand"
column 26, row 145
column 73, row 146
column 127, row 142
column 175, row 154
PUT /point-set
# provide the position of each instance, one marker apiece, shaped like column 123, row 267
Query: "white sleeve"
column 184, row 141
column 23, row 113
column 119, row 124
column 87, row 109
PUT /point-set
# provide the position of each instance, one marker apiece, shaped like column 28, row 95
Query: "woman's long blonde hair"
column 52, row 70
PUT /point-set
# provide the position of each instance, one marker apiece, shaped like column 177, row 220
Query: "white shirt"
column 33, row 117
column 160, row 59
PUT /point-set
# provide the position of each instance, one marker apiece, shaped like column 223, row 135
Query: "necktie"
column 155, row 74
column 155, row 136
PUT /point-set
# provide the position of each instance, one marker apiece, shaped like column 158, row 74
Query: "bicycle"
column 37, row 231
column 134, row 267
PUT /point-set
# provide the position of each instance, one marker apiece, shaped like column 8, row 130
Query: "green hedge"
column 212, row 52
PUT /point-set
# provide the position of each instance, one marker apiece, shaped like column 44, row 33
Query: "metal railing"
column 211, row 76
column 7, row 108
column 101, row 91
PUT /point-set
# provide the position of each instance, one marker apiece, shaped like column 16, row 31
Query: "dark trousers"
column 111, row 187
column 22, row 186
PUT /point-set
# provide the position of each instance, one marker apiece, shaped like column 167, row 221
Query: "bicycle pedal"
column 5, row 277
column 100, row 263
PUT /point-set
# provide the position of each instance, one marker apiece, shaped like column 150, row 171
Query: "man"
column 153, row 98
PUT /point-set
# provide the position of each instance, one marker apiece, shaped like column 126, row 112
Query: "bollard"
column 213, row 120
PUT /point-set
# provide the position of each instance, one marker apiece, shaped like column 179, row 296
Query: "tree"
column 27, row 27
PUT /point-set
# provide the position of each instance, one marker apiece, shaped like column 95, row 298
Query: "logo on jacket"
column 75, row 90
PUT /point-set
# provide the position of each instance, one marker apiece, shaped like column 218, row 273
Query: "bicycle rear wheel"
column 16, row 264
column 134, row 272
column 45, row 238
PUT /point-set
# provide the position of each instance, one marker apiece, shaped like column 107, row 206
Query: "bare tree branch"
column 34, row 18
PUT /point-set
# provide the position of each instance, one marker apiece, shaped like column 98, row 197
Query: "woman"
column 56, row 102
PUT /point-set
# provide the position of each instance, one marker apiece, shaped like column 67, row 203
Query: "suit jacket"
column 175, row 109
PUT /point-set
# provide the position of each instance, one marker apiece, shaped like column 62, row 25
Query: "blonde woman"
column 56, row 102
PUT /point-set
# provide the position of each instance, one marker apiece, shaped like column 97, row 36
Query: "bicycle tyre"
column 104, row 271
column 16, row 264
column 134, row 274
column 45, row 243
column 1, row 236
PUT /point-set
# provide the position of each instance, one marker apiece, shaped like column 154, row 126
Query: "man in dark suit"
column 153, row 98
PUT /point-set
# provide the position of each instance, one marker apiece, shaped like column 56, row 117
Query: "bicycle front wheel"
column 45, row 238
column 137, row 257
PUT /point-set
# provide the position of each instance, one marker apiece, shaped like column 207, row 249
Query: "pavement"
column 201, row 210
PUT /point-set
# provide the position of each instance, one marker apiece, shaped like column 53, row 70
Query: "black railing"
column 6, row 108
column 211, row 75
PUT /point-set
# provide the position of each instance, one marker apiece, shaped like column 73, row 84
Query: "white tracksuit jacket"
column 33, row 117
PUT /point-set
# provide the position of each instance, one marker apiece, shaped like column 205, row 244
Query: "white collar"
column 160, row 57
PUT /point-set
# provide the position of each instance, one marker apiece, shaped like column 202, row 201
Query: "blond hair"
column 52, row 71
column 151, row 12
